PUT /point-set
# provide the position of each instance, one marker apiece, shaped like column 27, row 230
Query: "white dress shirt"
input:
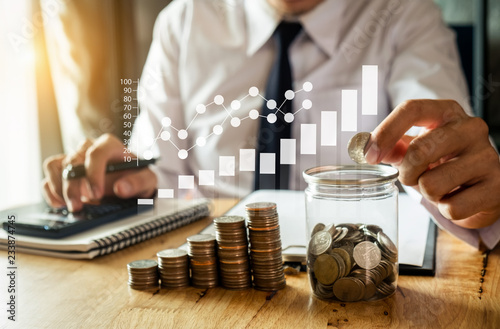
column 204, row 48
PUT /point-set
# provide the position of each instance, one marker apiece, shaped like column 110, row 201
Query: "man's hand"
column 451, row 162
column 94, row 155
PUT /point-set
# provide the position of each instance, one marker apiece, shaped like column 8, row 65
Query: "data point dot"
column 253, row 91
column 289, row 94
column 253, row 114
column 218, row 99
column 201, row 141
column 289, row 117
column 235, row 122
column 182, row 154
column 165, row 135
column 166, row 122
column 235, row 105
column 200, row 108
column 307, row 86
column 271, row 118
column 218, row 130
column 271, row 104
column 307, row 104
column 148, row 154
column 182, row 134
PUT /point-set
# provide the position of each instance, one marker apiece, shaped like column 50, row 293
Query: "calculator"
column 41, row 220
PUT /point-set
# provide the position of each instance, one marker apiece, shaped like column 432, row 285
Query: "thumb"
column 142, row 183
column 394, row 157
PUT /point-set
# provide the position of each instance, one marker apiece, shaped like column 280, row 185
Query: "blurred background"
column 61, row 62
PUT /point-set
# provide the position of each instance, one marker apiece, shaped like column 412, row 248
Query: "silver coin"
column 356, row 147
column 318, row 227
column 142, row 264
column 201, row 238
column 171, row 253
column 387, row 243
column 320, row 243
column 367, row 255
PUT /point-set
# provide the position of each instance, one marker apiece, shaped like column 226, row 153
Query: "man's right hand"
column 94, row 155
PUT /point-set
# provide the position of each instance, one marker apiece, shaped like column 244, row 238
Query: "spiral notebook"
column 165, row 216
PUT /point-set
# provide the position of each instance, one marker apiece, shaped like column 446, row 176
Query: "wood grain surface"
column 60, row 293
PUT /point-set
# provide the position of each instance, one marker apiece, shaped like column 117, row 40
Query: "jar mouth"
column 361, row 174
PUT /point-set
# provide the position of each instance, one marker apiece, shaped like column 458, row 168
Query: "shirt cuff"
column 489, row 235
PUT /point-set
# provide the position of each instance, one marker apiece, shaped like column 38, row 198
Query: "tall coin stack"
column 265, row 246
column 173, row 266
column 203, row 260
column 143, row 274
column 232, row 249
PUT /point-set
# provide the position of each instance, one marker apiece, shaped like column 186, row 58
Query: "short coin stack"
column 203, row 260
column 143, row 274
column 173, row 266
column 351, row 262
column 265, row 246
column 232, row 249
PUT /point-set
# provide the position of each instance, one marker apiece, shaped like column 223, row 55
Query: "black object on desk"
column 428, row 267
column 42, row 221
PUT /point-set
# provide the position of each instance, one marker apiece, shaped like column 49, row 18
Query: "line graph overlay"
column 234, row 121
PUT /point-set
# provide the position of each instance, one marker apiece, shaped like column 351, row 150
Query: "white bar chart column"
column 349, row 110
column 369, row 87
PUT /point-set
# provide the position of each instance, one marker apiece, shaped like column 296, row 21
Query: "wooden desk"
column 60, row 293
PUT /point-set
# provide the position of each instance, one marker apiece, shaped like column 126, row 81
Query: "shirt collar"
column 262, row 19
column 315, row 24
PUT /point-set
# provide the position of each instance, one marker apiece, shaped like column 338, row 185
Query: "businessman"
column 202, row 49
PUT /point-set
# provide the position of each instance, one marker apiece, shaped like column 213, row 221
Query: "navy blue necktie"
column 270, row 134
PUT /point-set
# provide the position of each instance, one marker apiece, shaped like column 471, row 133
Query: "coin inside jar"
column 356, row 147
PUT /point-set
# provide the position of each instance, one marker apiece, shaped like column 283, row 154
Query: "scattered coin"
column 356, row 147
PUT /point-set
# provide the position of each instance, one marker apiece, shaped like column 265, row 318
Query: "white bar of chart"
column 369, row 87
column 267, row 163
column 147, row 202
column 226, row 165
column 206, row 177
column 349, row 110
column 247, row 159
column 307, row 138
column 329, row 128
column 186, row 182
column 165, row 193
column 288, row 151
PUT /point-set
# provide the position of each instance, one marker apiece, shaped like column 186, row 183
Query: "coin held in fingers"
column 356, row 147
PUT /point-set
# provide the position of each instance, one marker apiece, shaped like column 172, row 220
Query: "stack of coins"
column 265, row 246
column 351, row 262
column 173, row 265
column 232, row 249
column 143, row 274
column 203, row 260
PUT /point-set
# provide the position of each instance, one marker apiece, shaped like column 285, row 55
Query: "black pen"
column 74, row 172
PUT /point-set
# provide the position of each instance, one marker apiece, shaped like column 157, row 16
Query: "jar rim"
column 361, row 174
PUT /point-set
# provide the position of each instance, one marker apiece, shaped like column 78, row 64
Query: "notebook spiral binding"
column 139, row 233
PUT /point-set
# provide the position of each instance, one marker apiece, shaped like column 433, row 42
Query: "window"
column 20, row 169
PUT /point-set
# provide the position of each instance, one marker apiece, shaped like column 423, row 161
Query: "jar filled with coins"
column 352, row 229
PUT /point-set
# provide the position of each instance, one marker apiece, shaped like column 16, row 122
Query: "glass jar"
column 352, row 229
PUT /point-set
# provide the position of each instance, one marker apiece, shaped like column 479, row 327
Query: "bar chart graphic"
column 244, row 159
